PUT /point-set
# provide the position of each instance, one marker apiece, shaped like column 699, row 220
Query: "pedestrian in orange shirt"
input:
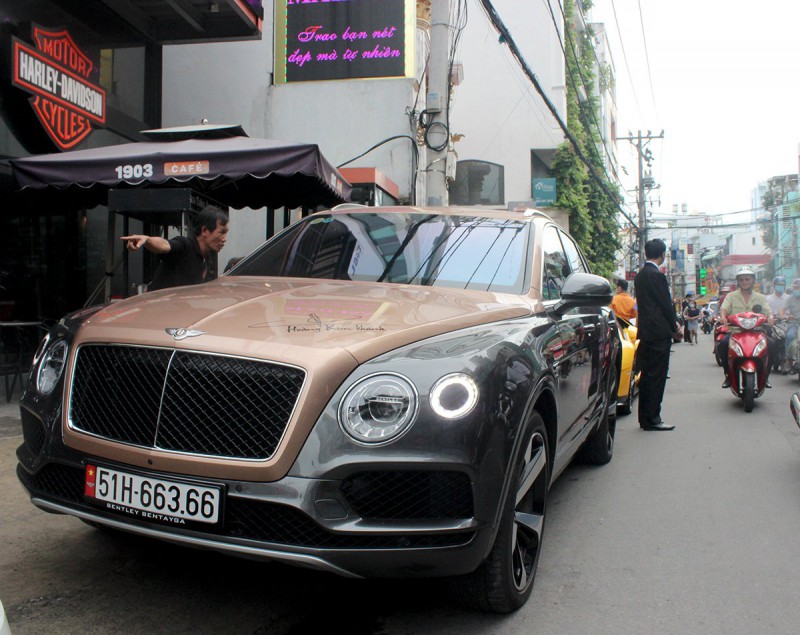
column 623, row 304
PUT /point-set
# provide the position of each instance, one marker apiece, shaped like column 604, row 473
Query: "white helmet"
column 747, row 270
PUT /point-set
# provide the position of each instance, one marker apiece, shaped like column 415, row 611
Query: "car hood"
column 326, row 327
column 284, row 319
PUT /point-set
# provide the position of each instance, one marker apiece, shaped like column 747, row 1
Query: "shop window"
column 478, row 183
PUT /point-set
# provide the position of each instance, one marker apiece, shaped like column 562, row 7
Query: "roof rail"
column 347, row 206
column 531, row 211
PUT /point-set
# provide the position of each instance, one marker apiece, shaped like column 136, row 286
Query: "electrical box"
column 433, row 102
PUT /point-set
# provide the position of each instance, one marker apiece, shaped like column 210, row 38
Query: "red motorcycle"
column 748, row 360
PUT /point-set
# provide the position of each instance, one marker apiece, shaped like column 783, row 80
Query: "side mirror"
column 584, row 289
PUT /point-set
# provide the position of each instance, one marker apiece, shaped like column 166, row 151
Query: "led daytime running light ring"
column 456, row 379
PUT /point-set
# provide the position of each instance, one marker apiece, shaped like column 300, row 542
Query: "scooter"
column 706, row 325
column 748, row 359
column 779, row 331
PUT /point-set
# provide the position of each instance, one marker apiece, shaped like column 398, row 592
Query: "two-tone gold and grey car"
column 378, row 392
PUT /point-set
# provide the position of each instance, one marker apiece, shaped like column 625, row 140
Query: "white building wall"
column 747, row 242
column 496, row 107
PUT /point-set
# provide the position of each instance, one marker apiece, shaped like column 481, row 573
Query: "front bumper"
column 396, row 522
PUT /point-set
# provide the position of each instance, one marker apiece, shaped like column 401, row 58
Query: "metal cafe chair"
column 18, row 341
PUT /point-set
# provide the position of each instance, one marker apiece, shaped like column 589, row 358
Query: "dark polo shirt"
column 183, row 265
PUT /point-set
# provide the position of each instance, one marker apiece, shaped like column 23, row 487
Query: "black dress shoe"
column 767, row 384
column 659, row 426
column 726, row 383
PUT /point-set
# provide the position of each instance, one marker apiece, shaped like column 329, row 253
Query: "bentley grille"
column 183, row 401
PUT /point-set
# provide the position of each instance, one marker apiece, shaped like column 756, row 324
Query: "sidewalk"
column 10, row 421
column 10, row 409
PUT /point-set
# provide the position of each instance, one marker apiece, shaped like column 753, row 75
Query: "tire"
column 748, row 391
column 504, row 581
column 599, row 446
column 627, row 407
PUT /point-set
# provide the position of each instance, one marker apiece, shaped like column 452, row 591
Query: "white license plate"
column 152, row 498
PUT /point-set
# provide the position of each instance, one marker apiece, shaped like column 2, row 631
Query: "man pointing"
column 185, row 259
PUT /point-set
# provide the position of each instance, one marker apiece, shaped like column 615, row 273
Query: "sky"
column 721, row 78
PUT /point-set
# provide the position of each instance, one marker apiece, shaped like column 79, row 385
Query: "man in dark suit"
column 656, row 327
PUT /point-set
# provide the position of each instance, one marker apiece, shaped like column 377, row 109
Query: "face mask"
column 779, row 289
column 796, row 293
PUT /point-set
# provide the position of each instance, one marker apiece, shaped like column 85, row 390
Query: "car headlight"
column 51, row 367
column 736, row 348
column 454, row 396
column 378, row 408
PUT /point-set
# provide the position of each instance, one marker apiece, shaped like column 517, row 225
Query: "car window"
column 556, row 267
column 576, row 262
column 464, row 252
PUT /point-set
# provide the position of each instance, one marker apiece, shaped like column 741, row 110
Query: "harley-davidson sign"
column 57, row 73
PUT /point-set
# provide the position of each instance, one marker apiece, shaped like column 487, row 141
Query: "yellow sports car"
column 629, row 374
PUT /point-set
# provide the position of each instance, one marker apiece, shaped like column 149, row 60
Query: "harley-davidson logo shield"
column 57, row 73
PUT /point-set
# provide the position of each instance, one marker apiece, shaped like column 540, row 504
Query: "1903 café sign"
column 56, row 72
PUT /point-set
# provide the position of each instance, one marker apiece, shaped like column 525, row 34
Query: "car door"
column 592, row 319
column 573, row 369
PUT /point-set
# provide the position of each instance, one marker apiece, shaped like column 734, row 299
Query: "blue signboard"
column 544, row 192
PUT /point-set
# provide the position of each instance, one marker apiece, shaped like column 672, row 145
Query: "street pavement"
column 693, row 530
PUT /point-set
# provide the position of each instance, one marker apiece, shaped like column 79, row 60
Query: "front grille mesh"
column 183, row 401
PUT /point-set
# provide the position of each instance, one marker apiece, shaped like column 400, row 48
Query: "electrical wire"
column 586, row 88
column 647, row 60
column 625, row 57
column 413, row 167
column 501, row 28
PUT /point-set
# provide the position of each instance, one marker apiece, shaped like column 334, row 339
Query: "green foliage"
column 768, row 202
column 592, row 214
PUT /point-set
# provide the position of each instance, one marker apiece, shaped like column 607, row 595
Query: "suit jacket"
column 656, row 313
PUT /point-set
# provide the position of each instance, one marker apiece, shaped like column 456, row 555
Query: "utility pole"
column 437, row 136
column 646, row 182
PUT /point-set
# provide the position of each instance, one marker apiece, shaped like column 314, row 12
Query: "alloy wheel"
column 529, row 511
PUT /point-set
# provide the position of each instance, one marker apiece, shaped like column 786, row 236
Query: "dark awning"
column 221, row 162
column 133, row 23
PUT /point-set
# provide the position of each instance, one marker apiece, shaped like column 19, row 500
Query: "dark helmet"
column 779, row 280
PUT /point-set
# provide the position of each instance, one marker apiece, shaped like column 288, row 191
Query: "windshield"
column 463, row 252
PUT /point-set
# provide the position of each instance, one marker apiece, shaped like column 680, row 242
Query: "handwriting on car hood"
column 361, row 318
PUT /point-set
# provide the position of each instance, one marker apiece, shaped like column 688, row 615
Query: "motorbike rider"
column 745, row 298
column 706, row 320
column 777, row 301
column 791, row 310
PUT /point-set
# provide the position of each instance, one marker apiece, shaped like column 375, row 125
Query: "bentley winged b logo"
column 182, row 334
